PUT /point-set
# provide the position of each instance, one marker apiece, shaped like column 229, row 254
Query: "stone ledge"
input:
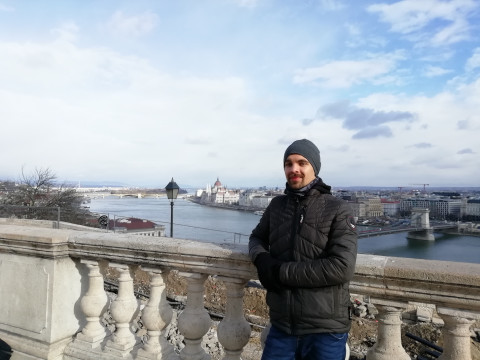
column 442, row 283
column 185, row 255
column 30, row 241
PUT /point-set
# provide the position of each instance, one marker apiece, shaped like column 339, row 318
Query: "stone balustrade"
column 52, row 295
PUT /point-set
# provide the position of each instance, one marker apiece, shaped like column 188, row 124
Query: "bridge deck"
column 392, row 230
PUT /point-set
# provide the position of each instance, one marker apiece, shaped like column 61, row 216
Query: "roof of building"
column 385, row 201
column 132, row 224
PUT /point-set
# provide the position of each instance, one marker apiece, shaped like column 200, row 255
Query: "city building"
column 390, row 207
column 472, row 207
column 256, row 199
column 440, row 208
column 372, row 207
column 358, row 209
column 218, row 194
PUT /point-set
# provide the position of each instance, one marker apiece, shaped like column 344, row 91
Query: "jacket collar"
column 316, row 184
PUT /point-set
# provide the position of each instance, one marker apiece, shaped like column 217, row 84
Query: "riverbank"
column 458, row 233
column 199, row 201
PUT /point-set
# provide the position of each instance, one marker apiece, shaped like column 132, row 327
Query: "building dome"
column 217, row 183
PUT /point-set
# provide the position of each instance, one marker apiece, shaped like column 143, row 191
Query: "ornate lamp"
column 172, row 191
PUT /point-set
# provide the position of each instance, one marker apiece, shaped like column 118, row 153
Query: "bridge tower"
column 421, row 220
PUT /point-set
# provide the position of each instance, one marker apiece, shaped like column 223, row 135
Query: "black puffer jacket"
column 316, row 238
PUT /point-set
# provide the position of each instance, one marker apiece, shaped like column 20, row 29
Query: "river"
column 198, row 222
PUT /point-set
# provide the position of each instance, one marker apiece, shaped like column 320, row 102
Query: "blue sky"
column 140, row 91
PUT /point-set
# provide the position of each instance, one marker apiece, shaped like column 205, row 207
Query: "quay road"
column 397, row 229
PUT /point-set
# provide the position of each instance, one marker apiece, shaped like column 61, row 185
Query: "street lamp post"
column 172, row 192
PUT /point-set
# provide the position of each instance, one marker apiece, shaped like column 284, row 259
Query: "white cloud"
column 439, row 117
column 67, row 32
column 474, row 61
column 458, row 31
column 433, row 71
column 346, row 73
column 96, row 113
column 410, row 16
column 133, row 25
column 63, row 69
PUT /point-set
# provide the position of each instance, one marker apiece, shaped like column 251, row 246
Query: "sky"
column 138, row 92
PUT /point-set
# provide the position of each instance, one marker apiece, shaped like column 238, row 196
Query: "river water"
column 193, row 221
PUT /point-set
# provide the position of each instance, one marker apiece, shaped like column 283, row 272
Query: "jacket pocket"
column 318, row 303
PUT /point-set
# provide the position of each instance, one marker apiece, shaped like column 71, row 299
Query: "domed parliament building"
column 218, row 194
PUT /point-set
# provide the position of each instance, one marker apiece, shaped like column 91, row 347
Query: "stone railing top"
column 444, row 283
column 184, row 255
column 419, row 269
column 49, row 224
column 34, row 241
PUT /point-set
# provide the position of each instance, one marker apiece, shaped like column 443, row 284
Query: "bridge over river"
column 397, row 229
column 419, row 228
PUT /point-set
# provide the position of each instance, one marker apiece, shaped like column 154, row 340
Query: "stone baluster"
column 194, row 321
column 389, row 334
column 124, row 310
column 156, row 316
column 456, row 333
column 234, row 331
column 93, row 304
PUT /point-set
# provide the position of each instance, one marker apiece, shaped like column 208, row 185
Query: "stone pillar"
column 156, row 316
column 124, row 310
column 234, row 331
column 93, row 304
column 389, row 334
column 194, row 321
column 421, row 220
column 40, row 291
column 456, row 333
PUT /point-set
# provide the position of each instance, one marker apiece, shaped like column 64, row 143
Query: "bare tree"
column 34, row 189
column 44, row 198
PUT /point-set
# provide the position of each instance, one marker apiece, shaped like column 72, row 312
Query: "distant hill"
column 95, row 184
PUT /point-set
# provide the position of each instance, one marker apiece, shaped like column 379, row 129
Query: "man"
column 305, row 248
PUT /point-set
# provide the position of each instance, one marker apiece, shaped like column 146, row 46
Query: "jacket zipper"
column 303, row 212
column 296, row 226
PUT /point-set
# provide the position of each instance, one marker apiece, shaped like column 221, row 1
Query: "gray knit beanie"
column 308, row 150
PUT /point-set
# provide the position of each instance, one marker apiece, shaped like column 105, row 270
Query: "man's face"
column 298, row 171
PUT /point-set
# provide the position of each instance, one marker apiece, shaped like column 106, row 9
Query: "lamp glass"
column 172, row 190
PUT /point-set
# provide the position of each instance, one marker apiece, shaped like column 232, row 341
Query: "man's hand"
column 268, row 270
